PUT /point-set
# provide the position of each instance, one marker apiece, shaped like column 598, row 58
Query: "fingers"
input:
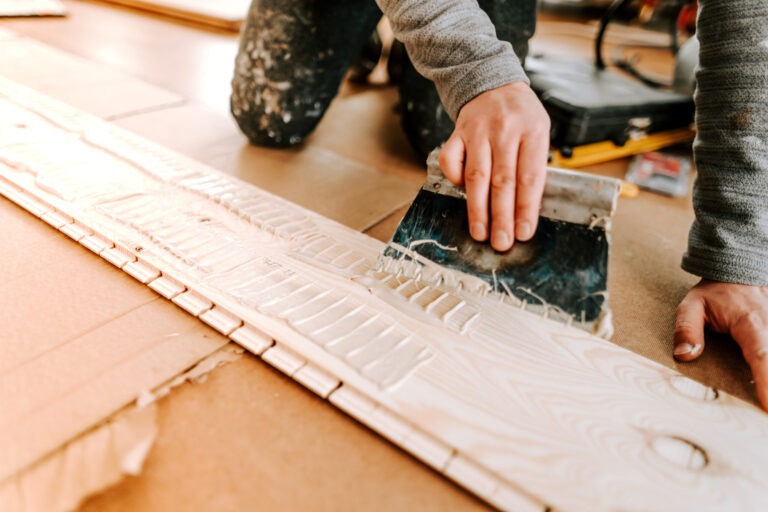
column 503, row 189
column 452, row 159
column 489, row 139
column 689, row 329
column 751, row 333
column 531, row 175
column 477, row 178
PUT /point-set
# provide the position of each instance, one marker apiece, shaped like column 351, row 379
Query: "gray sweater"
column 729, row 239
column 453, row 43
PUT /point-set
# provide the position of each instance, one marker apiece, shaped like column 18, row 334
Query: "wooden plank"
column 536, row 408
column 16, row 8
column 225, row 14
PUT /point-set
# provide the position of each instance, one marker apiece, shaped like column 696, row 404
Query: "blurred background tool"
column 590, row 103
column 598, row 152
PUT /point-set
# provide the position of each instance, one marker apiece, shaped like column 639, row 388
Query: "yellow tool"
column 628, row 190
column 599, row 152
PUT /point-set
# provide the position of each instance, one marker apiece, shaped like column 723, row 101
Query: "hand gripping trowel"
column 561, row 273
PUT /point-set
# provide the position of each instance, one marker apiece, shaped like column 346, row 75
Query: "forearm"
column 454, row 44
column 729, row 238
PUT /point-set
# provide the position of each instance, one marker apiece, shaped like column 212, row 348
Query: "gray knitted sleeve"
column 729, row 238
column 454, row 44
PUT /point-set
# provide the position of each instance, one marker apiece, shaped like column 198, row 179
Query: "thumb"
column 452, row 159
column 689, row 329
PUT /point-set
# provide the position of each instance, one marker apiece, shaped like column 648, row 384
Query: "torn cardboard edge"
column 197, row 374
column 102, row 456
column 87, row 464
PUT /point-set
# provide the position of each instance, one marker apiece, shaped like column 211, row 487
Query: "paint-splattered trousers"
column 294, row 54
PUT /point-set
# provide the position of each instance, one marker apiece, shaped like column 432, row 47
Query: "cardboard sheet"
column 99, row 90
column 367, row 116
column 97, row 348
column 344, row 189
column 84, row 465
column 341, row 188
column 194, row 63
column 356, row 184
column 646, row 283
column 249, row 438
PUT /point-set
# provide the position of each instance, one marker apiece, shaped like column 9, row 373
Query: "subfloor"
column 218, row 445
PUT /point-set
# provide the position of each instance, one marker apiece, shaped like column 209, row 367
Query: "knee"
column 271, row 116
column 263, row 128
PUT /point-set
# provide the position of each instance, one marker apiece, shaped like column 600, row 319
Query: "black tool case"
column 588, row 105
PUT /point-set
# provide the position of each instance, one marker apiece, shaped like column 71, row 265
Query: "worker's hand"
column 499, row 152
column 736, row 309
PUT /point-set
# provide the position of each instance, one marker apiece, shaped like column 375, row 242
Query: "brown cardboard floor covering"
column 219, row 441
column 342, row 188
column 80, row 341
column 250, row 439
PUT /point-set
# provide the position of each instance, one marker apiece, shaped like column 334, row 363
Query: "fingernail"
column 683, row 349
column 524, row 230
column 500, row 239
column 477, row 230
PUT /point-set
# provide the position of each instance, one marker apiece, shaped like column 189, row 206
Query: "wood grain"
column 532, row 410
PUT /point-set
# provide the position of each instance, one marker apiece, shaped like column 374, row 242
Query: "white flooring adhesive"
column 525, row 412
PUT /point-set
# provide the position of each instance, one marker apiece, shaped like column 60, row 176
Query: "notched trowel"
column 561, row 273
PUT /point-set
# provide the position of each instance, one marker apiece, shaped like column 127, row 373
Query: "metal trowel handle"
column 568, row 195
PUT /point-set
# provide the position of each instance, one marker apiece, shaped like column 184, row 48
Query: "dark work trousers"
column 294, row 53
